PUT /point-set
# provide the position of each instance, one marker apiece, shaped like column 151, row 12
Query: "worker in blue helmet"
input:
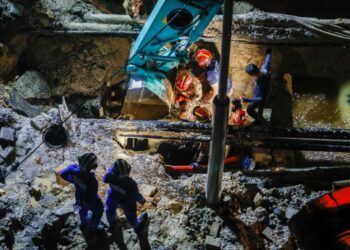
column 86, row 186
column 262, row 82
column 123, row 193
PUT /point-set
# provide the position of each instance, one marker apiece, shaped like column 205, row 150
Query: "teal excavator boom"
column 162, row 45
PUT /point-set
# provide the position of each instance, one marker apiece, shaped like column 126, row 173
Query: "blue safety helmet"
column 87, row 162
column 252, row 69
column 121, row 168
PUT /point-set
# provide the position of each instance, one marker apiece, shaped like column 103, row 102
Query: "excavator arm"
column 162, row 45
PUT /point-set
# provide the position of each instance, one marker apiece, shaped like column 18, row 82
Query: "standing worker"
column 123, row 193
column 262, row 82
column 86, row 187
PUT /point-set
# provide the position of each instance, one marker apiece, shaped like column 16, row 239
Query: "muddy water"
column 326, row 106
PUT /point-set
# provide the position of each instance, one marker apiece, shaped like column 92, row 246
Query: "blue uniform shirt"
column 85, row 183
column 262, row 83
column 213, row 73
column 123, row 190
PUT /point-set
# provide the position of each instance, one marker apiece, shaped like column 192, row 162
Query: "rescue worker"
column 262, row 81
column 238, row 115
column 123, row 193
column 86, row 186
column 135, row 8
column 210, row 76
column 187, row 90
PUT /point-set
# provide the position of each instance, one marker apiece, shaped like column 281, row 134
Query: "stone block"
column 32, row 85
column 291, row 212
column 211, row 243
column 8, row 154
column 59, row 179
column 19, row 104
column 215, row 229
column 148, row 190
column 7, row 135
column 268, row 233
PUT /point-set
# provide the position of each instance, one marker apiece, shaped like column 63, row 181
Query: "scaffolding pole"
column 220, row 118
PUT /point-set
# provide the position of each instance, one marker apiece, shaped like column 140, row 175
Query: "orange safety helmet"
column 183, row 80
column 203, row 57
column 201, row 114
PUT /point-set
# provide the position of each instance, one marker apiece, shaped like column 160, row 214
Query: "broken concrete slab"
column 215, row 229
column 8, row 154
column 268, row 233
column 40, row 122
column 211, row 243
column 7, row 136
column 291, row 212
column 19, row 104
column 32, row 85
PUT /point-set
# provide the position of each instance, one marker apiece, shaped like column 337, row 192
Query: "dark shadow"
column 143, row 237
column 118, row 237
column 97, row 241
column 308, row 8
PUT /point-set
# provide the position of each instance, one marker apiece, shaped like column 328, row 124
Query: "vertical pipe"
column 220, row 117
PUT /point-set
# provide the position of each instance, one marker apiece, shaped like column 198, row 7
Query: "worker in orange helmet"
column 204, row 59
column 187, row 89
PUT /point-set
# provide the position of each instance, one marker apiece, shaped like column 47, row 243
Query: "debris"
column 64, row 114
column 59, row 179
column 279, row 213
column 260, row 212
column 175, row 206
column 215, row 229
column 7, row 135
column 40, row 122
column 211, row 243
column 19, row 104
column 31, row 85
column 258, row 199
column 291, row 212
column 268, row 233
column 8, row 154
column 148, row 190
column 2, row 192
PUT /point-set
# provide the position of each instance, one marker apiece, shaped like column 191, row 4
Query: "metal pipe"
column 220, row 118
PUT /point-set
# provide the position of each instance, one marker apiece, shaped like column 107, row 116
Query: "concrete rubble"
column 43, row 215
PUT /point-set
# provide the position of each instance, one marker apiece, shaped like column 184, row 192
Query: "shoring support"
column 220, row 117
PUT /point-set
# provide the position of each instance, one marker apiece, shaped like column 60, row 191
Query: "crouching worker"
column 86, row 186
column 123, row 193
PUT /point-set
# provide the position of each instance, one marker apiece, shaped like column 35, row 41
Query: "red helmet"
column 203, row 57
column 201, row 114
column 183, row 80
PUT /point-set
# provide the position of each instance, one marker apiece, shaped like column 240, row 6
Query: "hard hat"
column 201, row 114
column 121, row 168
column 183, row 80
column 203, row 57
column 87, row 162
column 252, row 69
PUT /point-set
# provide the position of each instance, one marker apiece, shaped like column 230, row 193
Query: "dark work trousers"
column 251, row 110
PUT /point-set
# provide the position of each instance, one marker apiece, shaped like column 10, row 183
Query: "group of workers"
column 123, row 193
column 196, row 85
